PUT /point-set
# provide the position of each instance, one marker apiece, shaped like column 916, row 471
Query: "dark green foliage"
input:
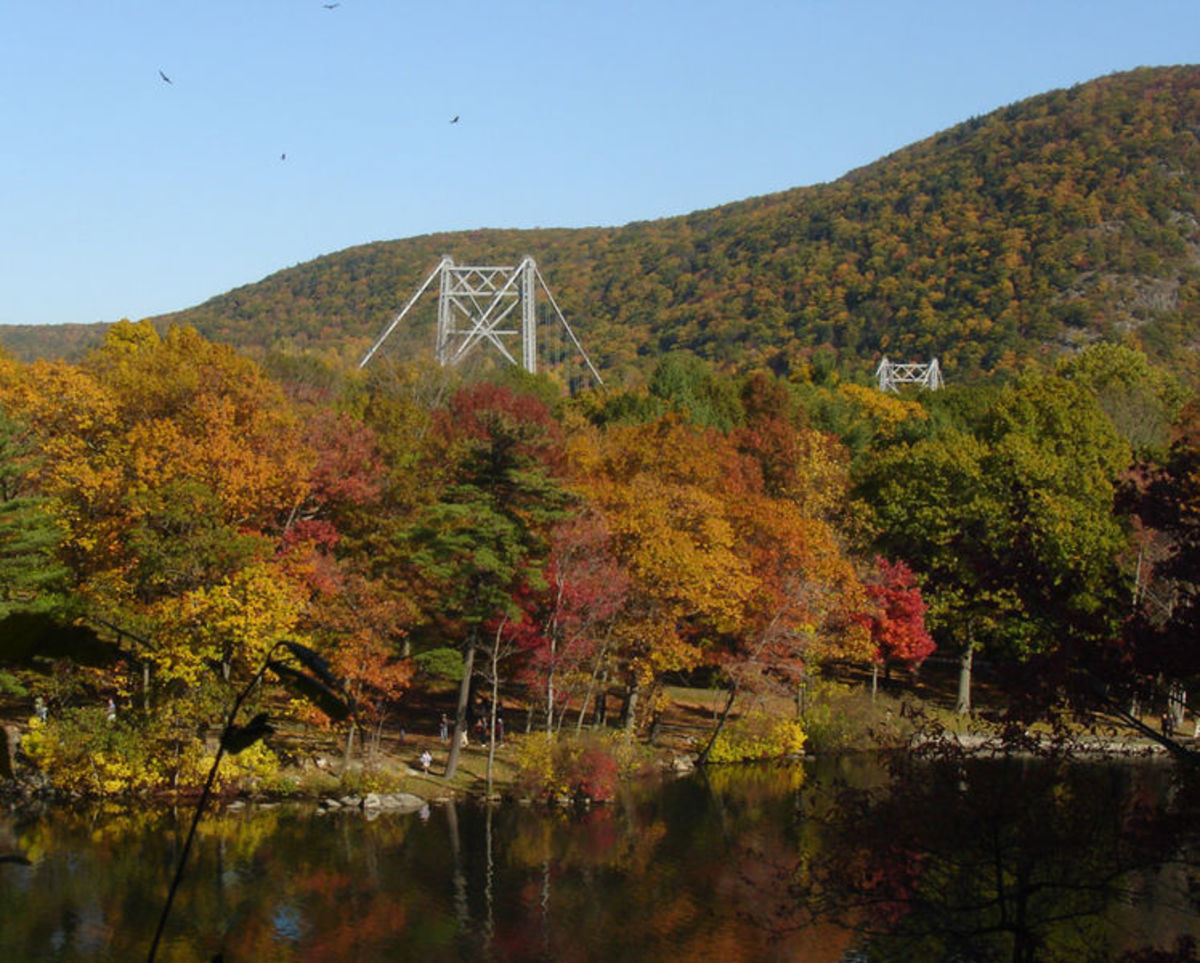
column 689, row 385
column 32, row 578
column 486, row 534
column 441, row 663
column 628, row 408
column 1007, row 514
column 11, row 687
column 180, row 541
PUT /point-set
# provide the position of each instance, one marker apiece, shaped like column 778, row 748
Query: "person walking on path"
column 444, row 732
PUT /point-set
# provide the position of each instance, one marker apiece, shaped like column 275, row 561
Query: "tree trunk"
column 600, row 717
column 963, row 706
column 629, row 710
column 583, row 708
column 655, row 727
column 10, row 738
column 349, row 752
column 874, row 680
column 703, row 757
column 1177, row 704
column 491, row 722
column 460, row 714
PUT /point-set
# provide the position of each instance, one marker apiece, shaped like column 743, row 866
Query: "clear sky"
column 123, row 195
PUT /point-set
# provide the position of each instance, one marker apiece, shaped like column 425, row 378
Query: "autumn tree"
column 357, row 624
column 1140, row 399
column 660, row 489
column 174, row 466
column 897, row 618
column 803, row 608
column 1159, row 640
column 566, row 632
column 1009, row 523
column 486, row 534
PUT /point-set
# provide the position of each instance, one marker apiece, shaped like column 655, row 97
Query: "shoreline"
column 411, row 790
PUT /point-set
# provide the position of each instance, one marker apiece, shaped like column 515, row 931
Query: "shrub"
column 81, row 751
column 758, row 735
column 840, row 717
column 11, row 687
column 360, row 780
column 594, row 774
column 533, row 756
column 590, row 766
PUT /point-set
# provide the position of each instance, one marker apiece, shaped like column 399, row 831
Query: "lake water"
column 830, row 860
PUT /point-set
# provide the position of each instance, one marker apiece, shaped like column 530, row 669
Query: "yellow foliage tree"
column 231, row 625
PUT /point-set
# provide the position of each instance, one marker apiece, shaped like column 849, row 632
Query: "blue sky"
column 124, row 196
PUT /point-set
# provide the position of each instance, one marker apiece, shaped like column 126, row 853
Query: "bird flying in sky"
column 283, row 156
column 455, row 120
column 331, row 6
column 164, row 76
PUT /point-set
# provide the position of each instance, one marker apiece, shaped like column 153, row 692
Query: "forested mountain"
column 1070, row 216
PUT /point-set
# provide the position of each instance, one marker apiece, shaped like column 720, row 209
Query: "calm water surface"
column 838, row 860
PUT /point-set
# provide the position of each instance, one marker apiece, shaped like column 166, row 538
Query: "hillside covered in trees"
column 1066, row 218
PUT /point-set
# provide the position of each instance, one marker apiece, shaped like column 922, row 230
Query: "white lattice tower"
column 487, row 305
column 890, row 376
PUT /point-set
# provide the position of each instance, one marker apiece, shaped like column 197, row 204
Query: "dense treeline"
column 1046, row 224
column 185, row 512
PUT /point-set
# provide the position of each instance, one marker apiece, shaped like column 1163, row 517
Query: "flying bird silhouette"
column 164, row 76
column 455, row 121
column 283, row 156
column 331, row 6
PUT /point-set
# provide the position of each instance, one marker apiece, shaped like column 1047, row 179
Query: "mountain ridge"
column 1064, row 218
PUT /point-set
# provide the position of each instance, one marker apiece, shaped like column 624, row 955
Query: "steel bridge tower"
column 488, row 305
column 890, row 376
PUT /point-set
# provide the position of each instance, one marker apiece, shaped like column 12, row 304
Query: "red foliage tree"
column 897, row 623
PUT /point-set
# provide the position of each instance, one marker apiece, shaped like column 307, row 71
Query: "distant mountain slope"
column 31, row 341
column 1066, row 217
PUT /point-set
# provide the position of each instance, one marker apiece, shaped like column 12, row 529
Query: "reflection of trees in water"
column 950, row 859
column 1014, row 859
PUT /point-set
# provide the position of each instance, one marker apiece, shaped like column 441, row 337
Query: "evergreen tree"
column 32, row 578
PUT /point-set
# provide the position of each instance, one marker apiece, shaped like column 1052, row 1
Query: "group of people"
column 1167, row 722
column 480, row 727
column 481, row 735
